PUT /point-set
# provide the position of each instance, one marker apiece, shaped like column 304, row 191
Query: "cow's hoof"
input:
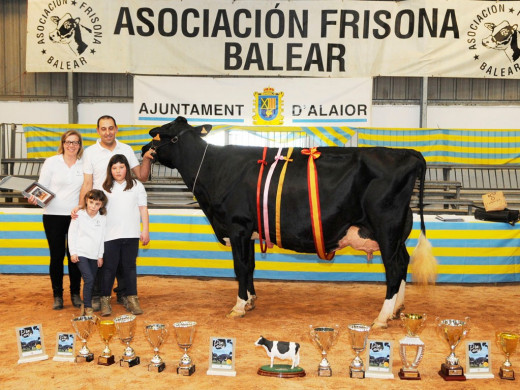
column 235, row 314
column 251, row 304
column 379, row 325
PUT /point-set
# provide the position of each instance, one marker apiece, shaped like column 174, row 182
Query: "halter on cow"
column 364, row 197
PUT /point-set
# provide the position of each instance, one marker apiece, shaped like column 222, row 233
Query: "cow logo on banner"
column 68, row 35
column 268, row 107
column 493, row 39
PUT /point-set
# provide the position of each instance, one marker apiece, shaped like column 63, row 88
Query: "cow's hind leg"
column 251, row 294
column 242, row 249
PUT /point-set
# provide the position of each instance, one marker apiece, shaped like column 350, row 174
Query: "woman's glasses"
column 68, row 143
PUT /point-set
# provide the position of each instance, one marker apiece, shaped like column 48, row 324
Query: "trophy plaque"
column 125, row 326
column 453, row 331
column 413, row 323
column 107, row 329
column 83, row 326
column 156, row 335
column 30, row 344
column 478, row 360
column 222, row 356
column 184, row 332
column 358, row 337
column 379, row 360
column 507, row 342
column 64, row 348
column 324, row 338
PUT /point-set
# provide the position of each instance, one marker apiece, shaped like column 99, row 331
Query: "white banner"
column 330, row 38
column 253, row 101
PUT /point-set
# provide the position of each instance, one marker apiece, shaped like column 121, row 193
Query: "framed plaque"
column 478, row 359
column 64, row 347
column 43, row 195
column 30, row 344
column 379, row 360
column 222, row 356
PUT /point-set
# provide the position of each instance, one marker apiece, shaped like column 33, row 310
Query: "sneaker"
column 58, row 303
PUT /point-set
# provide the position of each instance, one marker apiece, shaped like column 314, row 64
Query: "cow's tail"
column 424, row 264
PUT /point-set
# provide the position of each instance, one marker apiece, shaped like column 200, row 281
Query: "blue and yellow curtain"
column 441, row 146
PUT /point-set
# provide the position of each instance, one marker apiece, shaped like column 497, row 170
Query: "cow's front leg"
column 251, row 294
column 399, row 302
column 243, row 261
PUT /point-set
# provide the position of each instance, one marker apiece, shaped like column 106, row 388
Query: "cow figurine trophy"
column 320, row 200
column 282, row 350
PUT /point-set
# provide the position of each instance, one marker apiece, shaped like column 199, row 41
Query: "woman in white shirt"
column 63, row 175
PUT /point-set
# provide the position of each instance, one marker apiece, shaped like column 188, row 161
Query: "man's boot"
column 133, row 305
column 106, row 308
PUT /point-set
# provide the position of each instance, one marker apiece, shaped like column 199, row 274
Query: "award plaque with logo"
column 30, row 344
column 222, row 356
column 64, row 348
column 379, row 360
column 478, row 360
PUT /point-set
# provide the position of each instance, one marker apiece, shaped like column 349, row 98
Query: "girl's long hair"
column 109, row 181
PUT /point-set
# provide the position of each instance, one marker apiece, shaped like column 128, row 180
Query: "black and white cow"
column 68, row 32
column 280, row 349
column 503, row 37
column 362, row 190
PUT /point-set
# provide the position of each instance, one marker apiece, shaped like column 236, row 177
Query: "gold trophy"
column 83, row 326
column 125, row 326
column 453, row 331
column 156, row 335
column 324, row 338
column 413, row 323
column 358, row 338
column 107, row 328
column 507, row 342
column 184, row 332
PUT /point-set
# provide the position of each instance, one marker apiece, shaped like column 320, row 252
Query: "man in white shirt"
column 95, row 161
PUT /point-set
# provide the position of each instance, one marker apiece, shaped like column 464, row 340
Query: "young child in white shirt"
column 87, row 242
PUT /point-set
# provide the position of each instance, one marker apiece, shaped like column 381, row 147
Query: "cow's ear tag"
column 157, row 137
column 203, row 131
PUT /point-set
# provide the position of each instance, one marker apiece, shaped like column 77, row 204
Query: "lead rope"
column 198, row 171
column 314, row 203
column 262, row 163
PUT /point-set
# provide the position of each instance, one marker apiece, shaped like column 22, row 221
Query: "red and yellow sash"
column 314, row 203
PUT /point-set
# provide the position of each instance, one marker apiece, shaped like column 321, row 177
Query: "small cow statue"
column 280, row 349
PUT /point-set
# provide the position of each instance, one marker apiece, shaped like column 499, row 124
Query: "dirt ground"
column 284, row 312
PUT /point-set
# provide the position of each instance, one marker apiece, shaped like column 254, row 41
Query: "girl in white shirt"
column 86, row 242
column 127, row 207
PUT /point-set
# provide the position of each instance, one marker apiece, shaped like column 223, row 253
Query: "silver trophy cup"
column 84, row 326
column 184, row 332
column 324, row 338
column 125, row 326
column 358, row 337
column 156, row 335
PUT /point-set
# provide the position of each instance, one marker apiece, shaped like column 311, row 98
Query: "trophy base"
column 84, row 358
column 509, row 375
column 452, row 374
column 130, row 363
column 281, row 371
column 186, row 370
column 106, row 360
column 156, row 367
column 358, row 374
column 324, row 371
column 409, row 375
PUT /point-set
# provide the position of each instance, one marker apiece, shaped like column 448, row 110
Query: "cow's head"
column 65, row 28
column 501, row 35
column 168, row 136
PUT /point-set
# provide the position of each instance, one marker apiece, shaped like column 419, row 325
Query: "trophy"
column 324, row 338
column 453, row 331
column 125, row 326
column 107, row 329
column 358, row 338
column 156, row 335
column 184, row 332
column 83, row 326
column 507, row 342
column 413, row 323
